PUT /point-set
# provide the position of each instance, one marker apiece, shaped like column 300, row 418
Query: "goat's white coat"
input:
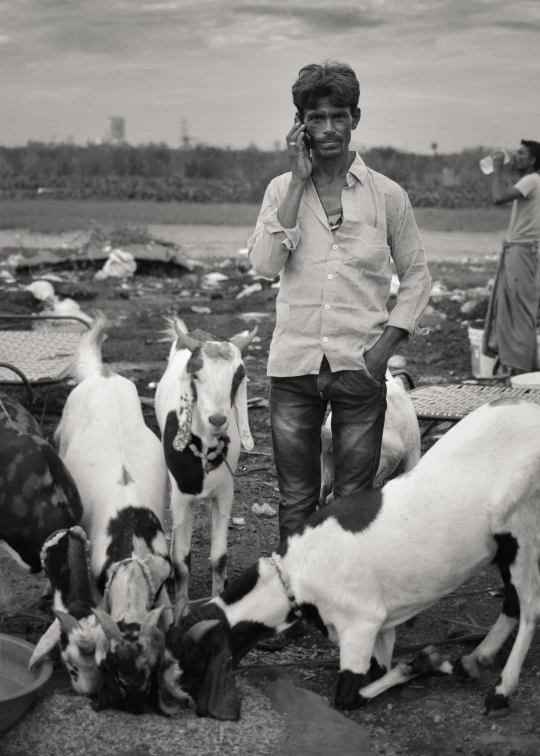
column 434, row 531
column 117, row 462
column 400, row 448
column 174, row 394
column 113, row 456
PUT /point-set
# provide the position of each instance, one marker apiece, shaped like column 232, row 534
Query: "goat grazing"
column 369, row 562
column 400, row 448
column 37, row 493
column 201, row 408
column 65, row 560
column 118, row 465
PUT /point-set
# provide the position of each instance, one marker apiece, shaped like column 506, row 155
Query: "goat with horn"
column 201, row 408
column 118, row 465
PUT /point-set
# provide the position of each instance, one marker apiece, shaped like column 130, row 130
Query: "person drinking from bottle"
column 510, row 327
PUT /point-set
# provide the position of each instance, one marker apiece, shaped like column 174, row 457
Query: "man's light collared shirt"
column 334, row 287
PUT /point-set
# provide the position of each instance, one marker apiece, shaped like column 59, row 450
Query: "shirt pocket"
column 363, row 246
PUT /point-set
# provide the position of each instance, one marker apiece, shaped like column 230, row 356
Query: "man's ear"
column 357, row 115
column 219, row 697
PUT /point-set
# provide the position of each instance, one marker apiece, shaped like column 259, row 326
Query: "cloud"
column 328, row 18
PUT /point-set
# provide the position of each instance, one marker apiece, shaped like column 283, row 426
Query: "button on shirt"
column 335, row 288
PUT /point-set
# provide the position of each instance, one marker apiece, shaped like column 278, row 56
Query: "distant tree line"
column 212, row 174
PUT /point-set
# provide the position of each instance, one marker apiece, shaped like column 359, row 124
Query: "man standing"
column 510, row 330
column 331, row 227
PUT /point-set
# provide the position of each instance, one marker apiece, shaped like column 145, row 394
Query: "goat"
column 204, row 381
column 400, row 449
column 118, row 465
column 64, row 559
column 371, row 561
column 37, row 493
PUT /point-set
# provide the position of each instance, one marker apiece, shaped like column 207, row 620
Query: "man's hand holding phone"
column 297, row 144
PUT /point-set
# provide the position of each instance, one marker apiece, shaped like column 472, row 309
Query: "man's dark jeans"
column 297, row 410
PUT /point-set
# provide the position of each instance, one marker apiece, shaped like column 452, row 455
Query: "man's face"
column 521, row 160
column 329, row 127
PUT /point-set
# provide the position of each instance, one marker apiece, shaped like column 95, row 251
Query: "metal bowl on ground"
column 18, row 684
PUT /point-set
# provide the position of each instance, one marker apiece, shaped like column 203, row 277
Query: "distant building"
column 115, row 129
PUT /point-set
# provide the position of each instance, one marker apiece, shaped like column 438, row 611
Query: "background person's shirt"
column 335, row 287
column 525, row 218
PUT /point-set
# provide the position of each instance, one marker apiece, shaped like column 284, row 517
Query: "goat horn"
column 151, row 620
column 184, row 340
column 242, row 341
column 199, row 629
column 67, row 622
column 109, row 626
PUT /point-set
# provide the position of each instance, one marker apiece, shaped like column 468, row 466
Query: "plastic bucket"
column 482, row 366
column 526, row 381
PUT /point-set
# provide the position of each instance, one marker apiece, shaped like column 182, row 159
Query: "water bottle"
column 486, row 164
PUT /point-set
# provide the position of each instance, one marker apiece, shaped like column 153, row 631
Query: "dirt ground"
column 430, row 716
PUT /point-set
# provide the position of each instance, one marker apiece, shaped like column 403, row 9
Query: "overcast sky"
column 458, row 72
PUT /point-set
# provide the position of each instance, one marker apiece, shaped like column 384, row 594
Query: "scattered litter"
column 213, row 280
column 7, row 277
column 275, row 285
column 397, row 361
column 119, row 264
column 438, row 289
column 44, row 292
column 257, row 316
column 249, row 290
column 243, row 251
column 264, row 510
column 51, row 277
column 152, row 385
column 41, row 290
column 201, row 310
column 238, row 520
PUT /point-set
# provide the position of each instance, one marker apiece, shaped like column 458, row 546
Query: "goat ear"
column 67, row 622
column 150, row 622
column 199, row 629
column 242, row 419
column 219, row 697
column 242, row 341
column 46, row 643
column 109, row 626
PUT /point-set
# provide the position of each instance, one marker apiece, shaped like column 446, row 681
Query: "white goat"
column 118, row 465
column 367, row 563
column 65, row 560
column 400, row 448
column 201, row 408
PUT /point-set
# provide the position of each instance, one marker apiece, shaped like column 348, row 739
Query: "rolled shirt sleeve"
column 270, row 245
column 410, row 260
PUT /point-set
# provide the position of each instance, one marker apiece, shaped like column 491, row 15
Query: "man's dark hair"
column 534, row 151
column 331, row 79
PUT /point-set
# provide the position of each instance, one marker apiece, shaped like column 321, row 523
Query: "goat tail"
column 88, row 361
column 172, row 326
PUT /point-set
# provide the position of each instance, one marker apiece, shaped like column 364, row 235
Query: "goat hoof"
column 349, row 684
column 496, row 705
column 466, row 668
column 427, row 660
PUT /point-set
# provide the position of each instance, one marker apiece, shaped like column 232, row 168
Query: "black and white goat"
column 65, row 560
column 201, row 408
column 365, row 564
column 118, row 465
column 37, row 493
column 400, row 448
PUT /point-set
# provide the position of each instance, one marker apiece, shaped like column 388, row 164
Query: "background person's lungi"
column 510, row 328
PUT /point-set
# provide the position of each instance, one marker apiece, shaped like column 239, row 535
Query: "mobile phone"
column 308, row 141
